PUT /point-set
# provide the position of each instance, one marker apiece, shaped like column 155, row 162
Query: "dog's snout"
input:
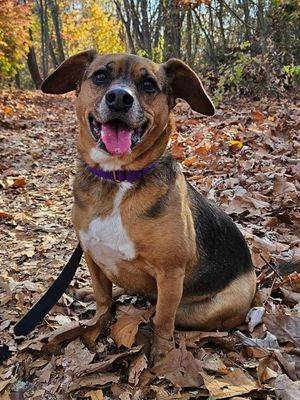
column 119, row 99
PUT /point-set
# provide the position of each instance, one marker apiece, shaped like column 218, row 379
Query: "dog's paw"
column 160, row 348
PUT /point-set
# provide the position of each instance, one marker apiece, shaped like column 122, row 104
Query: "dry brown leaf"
column 103, row 366
column 124, row 330
column 92, row 381
column 6, row 215
column 234, row 383
column 16, row 182
column 257, row 116
column 4, row 384
column 267, row 369
column 285, row 327
column 180, row 367
column 136, row 368
column 286, row 389
column 95, row 395
column 190, row 338
column 188, row 162
column 291, row 364
column 213, row 363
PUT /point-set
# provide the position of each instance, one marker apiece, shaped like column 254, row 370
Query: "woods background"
column 238, row 45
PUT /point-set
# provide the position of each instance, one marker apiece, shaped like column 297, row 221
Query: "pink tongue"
column 117, row 137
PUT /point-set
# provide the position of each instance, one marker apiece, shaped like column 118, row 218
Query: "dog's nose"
column 119, row 99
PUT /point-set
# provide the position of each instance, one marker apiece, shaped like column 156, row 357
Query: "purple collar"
column 121, row 175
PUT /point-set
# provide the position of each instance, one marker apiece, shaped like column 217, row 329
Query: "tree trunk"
column 18, row 80
column 189, row 37
column 55, row 63
column 127, row 24
column 33, row 65
column 146, row 28
column 45, row 48
column 171, row 30
column 54, row 14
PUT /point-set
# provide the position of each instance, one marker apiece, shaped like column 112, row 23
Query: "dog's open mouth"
column 115, row 137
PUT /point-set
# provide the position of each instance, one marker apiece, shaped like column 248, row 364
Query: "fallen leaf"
column 124, row 330
column 254, row 317
column 16, row 182
column 180, row 367
column 213, row 363
column 103, row 366
column 268, row 342
column 136, row 368
column 92, row 381
column 4, row 384
column 6, row 215
column 285, row 388
column 257, row 116
column 234, row 383
column 285, row 327
column 267, row 369
column 95, row 395
column 190, row 338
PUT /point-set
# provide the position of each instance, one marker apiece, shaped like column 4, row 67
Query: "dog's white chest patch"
column 106, row 239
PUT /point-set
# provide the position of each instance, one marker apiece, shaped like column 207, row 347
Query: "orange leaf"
column 4, row 214
column 203, row 150
column 178, row 151
column 257, row 116
column 8, row 110
column 188, row 162
column 16, row 182
column 125, row 329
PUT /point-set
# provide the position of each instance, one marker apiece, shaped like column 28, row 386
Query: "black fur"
column 163, row 175
column 223, row 254
column 158, row 208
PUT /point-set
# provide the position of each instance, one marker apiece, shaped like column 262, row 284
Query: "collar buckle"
column 115, row 176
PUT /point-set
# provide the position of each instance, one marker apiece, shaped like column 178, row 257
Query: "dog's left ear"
column 187, row 85
column 66, row 77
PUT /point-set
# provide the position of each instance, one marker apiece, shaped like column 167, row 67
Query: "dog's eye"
column 99, row 77
column 149, row 86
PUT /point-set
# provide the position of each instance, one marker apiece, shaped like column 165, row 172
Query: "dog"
column 141, row 225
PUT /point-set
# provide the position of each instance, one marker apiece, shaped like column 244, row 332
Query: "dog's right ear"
column 66, row 77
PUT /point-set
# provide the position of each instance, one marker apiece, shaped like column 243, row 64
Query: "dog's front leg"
column 169, row 293
column 102, row 288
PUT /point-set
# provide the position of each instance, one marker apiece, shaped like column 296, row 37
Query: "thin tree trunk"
column 18, row 80
column 172, row 30
column 145, row 27
column 45, row 47
column 55, row 18
column 189, row 36
column 127, row 25
column 53, row 55
column 33, row 65
column 220, row 14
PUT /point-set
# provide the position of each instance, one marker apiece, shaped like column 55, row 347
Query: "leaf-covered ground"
column 245, row 159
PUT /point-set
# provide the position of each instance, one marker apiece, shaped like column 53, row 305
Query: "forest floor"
column 245, row 159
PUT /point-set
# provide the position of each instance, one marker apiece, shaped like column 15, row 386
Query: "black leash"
column 36, row 314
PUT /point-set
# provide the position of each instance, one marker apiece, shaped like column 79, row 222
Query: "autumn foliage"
column 15, row 20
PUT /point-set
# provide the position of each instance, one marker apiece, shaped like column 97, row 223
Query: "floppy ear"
column 68, row 74
column 186, row 85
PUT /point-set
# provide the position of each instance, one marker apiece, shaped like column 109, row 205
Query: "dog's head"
column 123, row 104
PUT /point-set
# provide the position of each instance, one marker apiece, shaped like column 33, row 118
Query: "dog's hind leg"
column 226, row 309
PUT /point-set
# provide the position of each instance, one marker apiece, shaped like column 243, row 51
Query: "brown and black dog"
column 147, row 230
